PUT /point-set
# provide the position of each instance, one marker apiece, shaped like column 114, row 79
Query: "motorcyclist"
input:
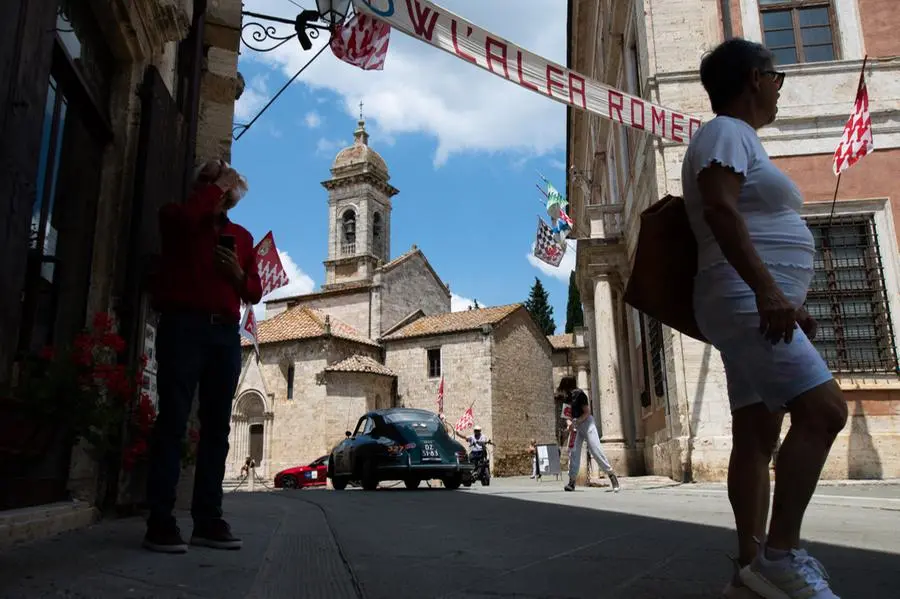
column 477, row 444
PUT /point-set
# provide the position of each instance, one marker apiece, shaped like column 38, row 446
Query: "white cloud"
column 558, row 164
column 459, row 303
column 329, row 147
column 425, row 90
column 298, row 283
column 256, row 94
column 312, row 119
column 565, row 267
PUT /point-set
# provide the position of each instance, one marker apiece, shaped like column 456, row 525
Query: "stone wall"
column 219, row 85
column 410, row 286
column 523, row 403
column 350, row 308
column 466, row 368
column 310, row 424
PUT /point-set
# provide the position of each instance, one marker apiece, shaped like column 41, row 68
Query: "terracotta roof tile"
column 304, row 323
column 565, row 341
column 357, row 363
column 454, row 322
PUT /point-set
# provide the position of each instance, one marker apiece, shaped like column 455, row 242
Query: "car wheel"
column 412, row 483
column 289, row 482
column 467, row 484
column 452, row 482
column 369, row 478
column 339, row 483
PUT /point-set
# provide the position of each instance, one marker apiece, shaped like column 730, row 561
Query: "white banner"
column 440, row 28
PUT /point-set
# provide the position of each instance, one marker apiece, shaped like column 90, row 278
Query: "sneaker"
column 164, row 537
column 614, row 481
column 797, row 576
column 215, row 534
column 570, row 486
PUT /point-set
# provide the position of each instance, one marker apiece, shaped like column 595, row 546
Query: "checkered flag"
column 857, row 140
column 546, row 247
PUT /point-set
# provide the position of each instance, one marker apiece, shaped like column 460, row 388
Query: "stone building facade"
column 379, row 333
column 495, row 360
column 105, row 107
column 663, row 395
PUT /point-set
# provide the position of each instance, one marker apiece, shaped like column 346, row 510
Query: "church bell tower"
column 359, row 213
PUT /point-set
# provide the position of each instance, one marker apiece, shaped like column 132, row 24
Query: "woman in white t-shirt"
column 755, row 264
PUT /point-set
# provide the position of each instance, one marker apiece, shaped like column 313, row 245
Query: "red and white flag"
column 362, row 42
column 272, row 275
column 857, row 140
column 268, row 263
column 465, row 421
column 249, row 328
column 440, row 398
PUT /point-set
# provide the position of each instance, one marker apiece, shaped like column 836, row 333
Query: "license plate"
column 430, row 452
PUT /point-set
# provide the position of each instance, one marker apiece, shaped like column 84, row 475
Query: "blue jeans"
column 192, row 352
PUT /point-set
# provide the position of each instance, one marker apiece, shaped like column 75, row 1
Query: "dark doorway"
column 256, row 443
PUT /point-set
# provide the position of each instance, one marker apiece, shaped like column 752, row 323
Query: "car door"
column 321, row 470
column 358, row 441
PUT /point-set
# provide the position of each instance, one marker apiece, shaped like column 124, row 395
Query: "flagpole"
column 837, row 186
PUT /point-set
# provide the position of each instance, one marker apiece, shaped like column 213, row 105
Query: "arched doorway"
column 249, row 437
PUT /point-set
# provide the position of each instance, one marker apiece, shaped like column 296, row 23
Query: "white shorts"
column 756, row 370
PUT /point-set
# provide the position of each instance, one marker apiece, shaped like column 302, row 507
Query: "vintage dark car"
column 299, row 477
column 399, row 444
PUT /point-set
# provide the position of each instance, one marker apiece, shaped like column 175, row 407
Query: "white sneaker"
column 797, row 576
column 736, row 589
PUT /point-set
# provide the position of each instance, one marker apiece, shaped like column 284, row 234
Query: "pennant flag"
column 857, row 140
column 362, row 42
column 465, row 421
column 268, row 264
column 556, row 202
column 249, row 328
column 440, row 398
column 546, row 248
column 442, row 29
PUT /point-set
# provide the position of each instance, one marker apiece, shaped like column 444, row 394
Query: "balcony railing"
column 607, row 221
column 348, row 249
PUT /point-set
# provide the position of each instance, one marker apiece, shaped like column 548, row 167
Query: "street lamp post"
column 326, row 16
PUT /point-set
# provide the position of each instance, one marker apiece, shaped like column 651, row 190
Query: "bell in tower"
column 359, row 209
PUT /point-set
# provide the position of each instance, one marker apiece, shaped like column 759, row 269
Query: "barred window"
column 849, row 299
column 657, row 355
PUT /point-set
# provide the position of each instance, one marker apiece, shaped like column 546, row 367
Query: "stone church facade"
column 379, row 333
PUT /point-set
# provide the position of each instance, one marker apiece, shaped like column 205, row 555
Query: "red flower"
column 48, row 353
column 193, row 435
column 113, row 341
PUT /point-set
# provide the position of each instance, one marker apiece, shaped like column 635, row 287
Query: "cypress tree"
column 538, row 305
column 574, row 312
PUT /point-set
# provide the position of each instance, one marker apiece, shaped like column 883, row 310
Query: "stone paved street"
column 516, row 538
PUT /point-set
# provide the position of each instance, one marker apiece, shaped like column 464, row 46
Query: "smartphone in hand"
column 227, row 242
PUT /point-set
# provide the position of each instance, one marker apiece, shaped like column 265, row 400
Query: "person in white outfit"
column 755, row 266
column 585, row 431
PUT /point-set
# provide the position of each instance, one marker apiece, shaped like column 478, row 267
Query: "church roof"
column 565, row 341
column 454, row 322
column 357, row 363
column 301, row 323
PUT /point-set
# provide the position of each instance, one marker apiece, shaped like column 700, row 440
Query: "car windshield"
column 419, row 423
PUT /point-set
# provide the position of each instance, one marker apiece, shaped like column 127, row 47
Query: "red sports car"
column 299, row 477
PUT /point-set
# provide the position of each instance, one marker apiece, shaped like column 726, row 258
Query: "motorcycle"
column 481, row 470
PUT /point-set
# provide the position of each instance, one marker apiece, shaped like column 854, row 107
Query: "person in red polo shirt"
column 207, row 269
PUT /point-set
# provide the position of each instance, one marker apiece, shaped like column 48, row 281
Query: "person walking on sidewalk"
column 208, row 268
column 755, row 266
column 585, row 431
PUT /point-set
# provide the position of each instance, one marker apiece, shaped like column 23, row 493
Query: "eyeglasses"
column 777, row 77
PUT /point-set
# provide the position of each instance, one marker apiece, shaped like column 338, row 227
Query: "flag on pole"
column 561, row 227
column 268, row 264
column 440, row 397
column 857, row 140
column 249, row 328
column 465, row 421
column 546, row 247
column 362, row 42
column 556, row 202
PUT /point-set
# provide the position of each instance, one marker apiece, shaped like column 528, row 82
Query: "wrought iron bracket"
column 260, row 37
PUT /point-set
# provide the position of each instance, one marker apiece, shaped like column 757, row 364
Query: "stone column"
column 608, row 372
column 581, row 378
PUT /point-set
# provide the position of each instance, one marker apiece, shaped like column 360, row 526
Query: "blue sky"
column 463, row 147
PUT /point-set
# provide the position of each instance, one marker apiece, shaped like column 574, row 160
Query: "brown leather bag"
column 661, row 284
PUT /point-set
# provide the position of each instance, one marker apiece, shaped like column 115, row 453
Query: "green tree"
column 538, row 305
column 574, row 312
